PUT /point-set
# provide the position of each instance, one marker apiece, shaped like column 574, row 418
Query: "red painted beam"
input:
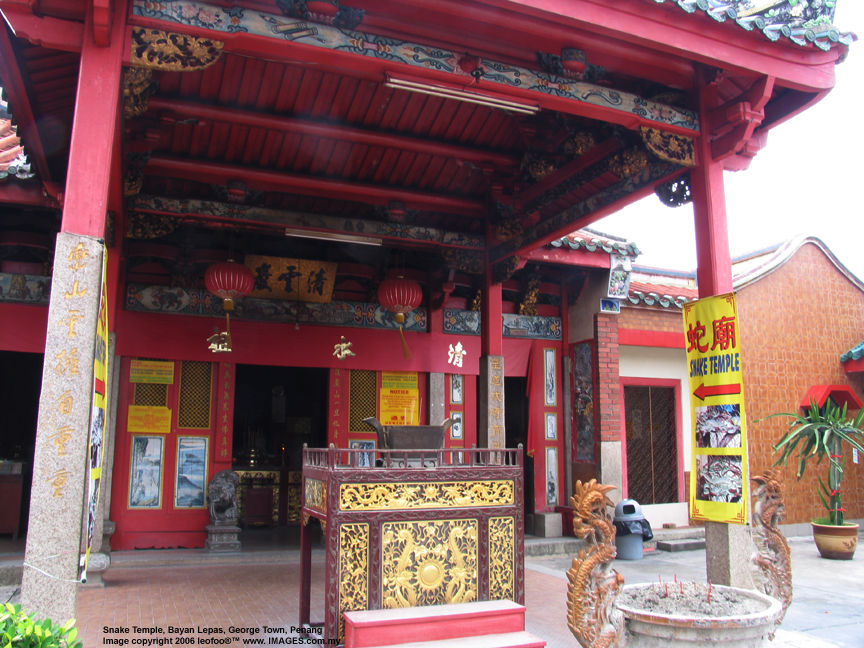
column 645, row 338
column 14, row 193
column 667, row 29
column 51, row 33
column 569, row 170
column 340, row 132
column 262, row 180
column 102, row 11
column 20, row 106
column 24, row 327
column 568, row 257
column 532, row 243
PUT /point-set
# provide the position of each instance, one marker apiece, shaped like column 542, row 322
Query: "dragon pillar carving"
column 772, row 560
column 593, row 584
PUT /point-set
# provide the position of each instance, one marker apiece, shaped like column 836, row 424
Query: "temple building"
column 231, row 230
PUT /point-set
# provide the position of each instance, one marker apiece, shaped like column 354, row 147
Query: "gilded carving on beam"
column 463, row 261
column 502, row 558
column 315, row 494
column 162, row 50
column 149, row 226
column 353, row 570
column 773, row 559
column 628, row 163
column 426, row 495
column 528, row 305
column 428, row 562
column 679, row 149
column 137, row 88
column 593, row 584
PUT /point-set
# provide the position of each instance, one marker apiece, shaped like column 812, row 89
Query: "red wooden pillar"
column 57, row 506
column 728, row 545
column 97, row 103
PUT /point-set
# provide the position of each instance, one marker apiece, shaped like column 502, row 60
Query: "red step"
column 392, row 627
column 505, row 640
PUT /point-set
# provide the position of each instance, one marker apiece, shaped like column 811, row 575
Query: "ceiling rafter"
column 479, row 156
column 271, row 180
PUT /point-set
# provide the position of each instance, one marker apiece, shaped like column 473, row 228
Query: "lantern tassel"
column 406, row 352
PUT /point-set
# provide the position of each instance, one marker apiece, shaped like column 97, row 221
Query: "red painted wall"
column 23, row 327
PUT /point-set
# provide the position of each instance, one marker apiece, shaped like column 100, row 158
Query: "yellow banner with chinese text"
column 719, row 490
column 399, row 398
column 98, row 414
column 146, row 419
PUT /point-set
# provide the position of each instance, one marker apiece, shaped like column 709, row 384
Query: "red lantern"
column 400, row 296
column 228, row 280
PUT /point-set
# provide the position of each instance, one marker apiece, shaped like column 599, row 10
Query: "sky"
column 809, row 179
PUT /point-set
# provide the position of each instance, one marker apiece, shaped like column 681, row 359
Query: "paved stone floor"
column 259, row 588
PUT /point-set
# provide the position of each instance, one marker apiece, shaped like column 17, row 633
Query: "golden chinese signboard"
column 292, row 279
column 719, row 481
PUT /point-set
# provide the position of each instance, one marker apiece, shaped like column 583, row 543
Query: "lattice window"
column 193, row 408
column 150, row 395
column 362, row 399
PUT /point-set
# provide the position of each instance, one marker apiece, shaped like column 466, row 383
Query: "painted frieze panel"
column 377, row 496
column 495, row 73
column 32, row 289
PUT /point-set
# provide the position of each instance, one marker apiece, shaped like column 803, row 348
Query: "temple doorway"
column 276, row 411
column 652, row 454
column 516, row 430
column 20, row 384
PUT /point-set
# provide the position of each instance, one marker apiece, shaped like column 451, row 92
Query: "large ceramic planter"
column 837, row 542
column 646, row 629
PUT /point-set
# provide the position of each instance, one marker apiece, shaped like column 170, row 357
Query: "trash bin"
column 631, row 529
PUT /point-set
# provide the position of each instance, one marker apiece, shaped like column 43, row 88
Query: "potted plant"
column 817, row 434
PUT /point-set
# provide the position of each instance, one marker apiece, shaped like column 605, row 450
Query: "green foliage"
column 18, row 630
column 815, row 435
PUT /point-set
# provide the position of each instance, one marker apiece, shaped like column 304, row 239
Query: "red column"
column 713, row 264
column 97, row 102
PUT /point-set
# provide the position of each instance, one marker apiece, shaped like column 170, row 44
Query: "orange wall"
column 794, row 325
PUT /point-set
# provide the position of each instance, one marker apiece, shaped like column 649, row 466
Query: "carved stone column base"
column 222, row 538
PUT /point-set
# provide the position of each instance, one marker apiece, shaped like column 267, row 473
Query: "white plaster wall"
column 668, row 364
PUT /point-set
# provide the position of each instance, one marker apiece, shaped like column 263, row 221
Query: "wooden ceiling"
column 315, row 138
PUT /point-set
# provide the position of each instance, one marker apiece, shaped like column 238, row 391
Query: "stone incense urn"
column 657, row 615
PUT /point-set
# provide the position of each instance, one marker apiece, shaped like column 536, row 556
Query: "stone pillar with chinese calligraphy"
column 51, row 560
column 491, row 429
column 437, row 398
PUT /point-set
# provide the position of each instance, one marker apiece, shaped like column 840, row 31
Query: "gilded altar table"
column 447, row 529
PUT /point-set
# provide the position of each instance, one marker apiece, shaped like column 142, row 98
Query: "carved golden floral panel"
column 315, row 494
column 502, row 558
column 353, row 570
column 426, row 495
column 428, row 562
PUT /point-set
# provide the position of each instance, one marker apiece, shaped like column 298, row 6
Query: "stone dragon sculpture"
column 772, row 560
column 593, row 584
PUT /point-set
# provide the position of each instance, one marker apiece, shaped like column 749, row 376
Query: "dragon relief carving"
column 593, row 584
column 773, row 559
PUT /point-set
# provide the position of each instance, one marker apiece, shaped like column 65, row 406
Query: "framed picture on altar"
column 145, row 472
